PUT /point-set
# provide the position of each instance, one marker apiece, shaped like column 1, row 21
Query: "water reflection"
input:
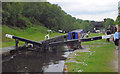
column 32, row 61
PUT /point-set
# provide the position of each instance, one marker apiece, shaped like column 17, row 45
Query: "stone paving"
column 119, row 60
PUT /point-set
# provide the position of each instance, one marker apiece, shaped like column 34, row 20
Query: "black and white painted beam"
column 97, row 38
column 60, row 42
column 23, row 39
column 81, row 40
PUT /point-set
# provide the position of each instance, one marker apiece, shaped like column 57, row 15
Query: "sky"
column 95, row 10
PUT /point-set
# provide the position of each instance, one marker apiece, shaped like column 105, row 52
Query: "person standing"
column 117, row 38
column 109, row 31
column 87, row 35
column 47, row 36
column 114, row 29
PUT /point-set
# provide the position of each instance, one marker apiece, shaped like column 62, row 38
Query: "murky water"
column 35, row 61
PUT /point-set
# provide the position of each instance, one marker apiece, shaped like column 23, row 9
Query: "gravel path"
column 71, row 57
column 115, row 61
column 119, row 60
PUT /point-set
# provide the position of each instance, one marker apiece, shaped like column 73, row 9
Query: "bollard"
column 80, row 46
column 16, row 43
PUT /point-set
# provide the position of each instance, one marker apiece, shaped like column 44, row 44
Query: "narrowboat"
column 76, row 34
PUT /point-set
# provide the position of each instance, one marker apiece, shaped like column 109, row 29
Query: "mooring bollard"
column 80, row 46
column 16, row 43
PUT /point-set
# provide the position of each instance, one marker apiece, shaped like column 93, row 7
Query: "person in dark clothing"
column 115, row 29
column 73, row 35
column 109, row 31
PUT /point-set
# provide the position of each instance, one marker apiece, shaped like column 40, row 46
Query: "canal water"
column 26, row 60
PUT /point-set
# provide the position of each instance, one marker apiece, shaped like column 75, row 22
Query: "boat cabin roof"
column 79, row 30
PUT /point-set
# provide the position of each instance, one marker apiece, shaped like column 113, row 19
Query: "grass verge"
column 97, row 60
column 36, row 33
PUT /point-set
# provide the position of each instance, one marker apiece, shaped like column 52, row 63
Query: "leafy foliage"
column 109, row 22
column 117, row 22
column 27, row 14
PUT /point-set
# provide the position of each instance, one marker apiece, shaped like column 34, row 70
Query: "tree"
column 86, row 26
column 117, row 21
column 28, row 14
column 11, row 13
column 109, row 22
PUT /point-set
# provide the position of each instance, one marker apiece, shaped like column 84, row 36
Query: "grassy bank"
column 97, row 60
column 35, row 33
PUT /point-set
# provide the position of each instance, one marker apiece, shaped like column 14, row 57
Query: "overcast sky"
column 95, row 10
